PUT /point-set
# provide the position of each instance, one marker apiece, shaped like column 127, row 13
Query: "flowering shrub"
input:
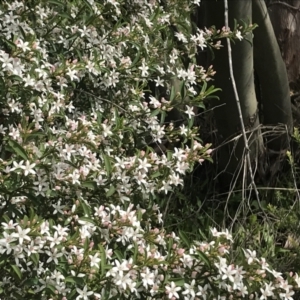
column 79, row 177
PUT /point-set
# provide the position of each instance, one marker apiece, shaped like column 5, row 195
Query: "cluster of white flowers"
column 76, row 164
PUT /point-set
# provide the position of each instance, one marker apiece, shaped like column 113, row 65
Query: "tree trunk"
column 269, row 65
column 285, row 18
column 226, row 112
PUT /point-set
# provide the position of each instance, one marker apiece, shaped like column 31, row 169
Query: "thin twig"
column 285, row 4
column 247, row 149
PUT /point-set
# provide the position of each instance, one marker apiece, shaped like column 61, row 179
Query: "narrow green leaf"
column 107, row 164
column 135, row 253
column 51, row 288
column 204, row 258
column 17, row 271
column 88, row 4
column 103, row 260
column 87, row 219
column 155, row 175
column 178, row 281
column 173, row 94
column 56, row 2
column 170, row 245
column 86, row 245
column 137, row 57
column 184, row 238
column 191, row 122
column 85, row 208
column 111, row 191
column 119, row 254
column 89, row 184
column 18, row 149
column 15, row 78
column 155, row 112
column 162, row 117
column 202, row 234
column 9, row 43
column 35, row 258
column 70, row 280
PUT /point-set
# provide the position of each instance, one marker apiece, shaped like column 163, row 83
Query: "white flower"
column 28, row 168
column 143, row 165
column 83, row 294
column 250, row 256
column 5, row 242
column 9, row 225
column 58, row 208
column 172, row 290
column 297, row 279
column 238, row 34
column 72, row 74
column 22, row 234
column 189, row 289
column 147, row 278
column 106, row 130
column 94, row 260
column 53, row 255
column 74, row 177
column 189, row 111
column 55, row 240
column 181, row 37
column 203, row 291
column 267, row 292
column 144, row 70
column 159, row 82
column 17, row 165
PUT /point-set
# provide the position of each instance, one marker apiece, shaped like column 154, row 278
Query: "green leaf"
column 88, row 4
column 204, row 258
column 56, row 2
column 155, row 175
column 173, row 94
column 9, row 43
column 162, row 117
column 135, row 253
column 184, row 238
column 31, row 281
column 18, row 149
column 85, row 207
column 70, row 280
column 137, row 57
column 103, row 259
column 87, row 219
column 35, row 258
column 111, row 191
column 155, row 112
column 51, row 288
column 170, row 245
column 191, row 122
column 202, row 234
column 178, row 281
column 86, row 245
column 15, row 78
column 17, row 271
column 89, row 184
column 119, row 254
column 107, row 164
